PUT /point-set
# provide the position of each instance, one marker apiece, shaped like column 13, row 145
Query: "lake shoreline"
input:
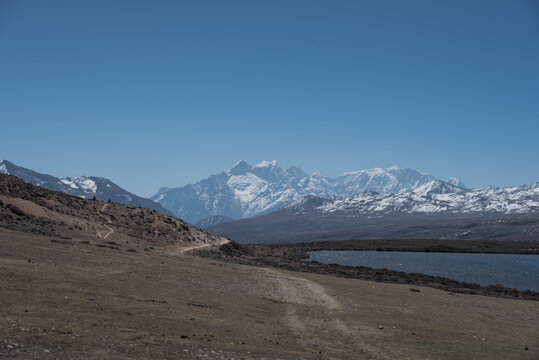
column 420, row 245
column 514, row 271
column 292, row 256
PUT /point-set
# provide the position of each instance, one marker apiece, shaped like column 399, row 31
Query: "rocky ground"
column 292, row 257
column 31, row 209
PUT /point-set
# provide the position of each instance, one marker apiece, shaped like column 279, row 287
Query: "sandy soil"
column 83, row 301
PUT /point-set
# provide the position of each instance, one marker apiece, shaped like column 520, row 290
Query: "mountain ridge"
column 83, row 186
column 246, row 190
column 436, row 210
column 435, row 196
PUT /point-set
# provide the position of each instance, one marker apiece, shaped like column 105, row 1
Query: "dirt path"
column 298, row 290
column 184, row 249
column 317, row 318
column 105, row 234
column 111, row 229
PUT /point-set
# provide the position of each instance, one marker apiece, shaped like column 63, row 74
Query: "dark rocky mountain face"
column 281, row 227
column 83, row 186
column 212, row 221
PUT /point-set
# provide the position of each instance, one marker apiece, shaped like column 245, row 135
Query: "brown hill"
column 28, row 208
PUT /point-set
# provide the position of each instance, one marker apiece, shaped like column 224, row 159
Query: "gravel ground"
column 81, row 301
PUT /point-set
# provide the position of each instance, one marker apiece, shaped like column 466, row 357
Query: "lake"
column 509, row 270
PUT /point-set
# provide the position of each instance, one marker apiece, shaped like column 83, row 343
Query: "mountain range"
column 82, row 186
column 433, row 197
column 246, row 191
column 288, row 205
column 435, row 210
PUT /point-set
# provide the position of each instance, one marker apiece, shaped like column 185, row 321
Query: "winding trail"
column 299, row 290
column 184, row 249
column 111, row 229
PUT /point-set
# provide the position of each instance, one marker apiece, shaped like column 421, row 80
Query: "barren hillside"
column 28, row 208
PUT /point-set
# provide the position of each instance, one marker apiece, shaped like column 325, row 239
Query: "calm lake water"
column 512, row 271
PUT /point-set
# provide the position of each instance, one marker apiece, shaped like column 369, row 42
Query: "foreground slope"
column 86, row 279
column 71, row 300
column 28, row 208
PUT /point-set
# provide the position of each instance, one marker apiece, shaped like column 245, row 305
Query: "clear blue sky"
column 155, row 93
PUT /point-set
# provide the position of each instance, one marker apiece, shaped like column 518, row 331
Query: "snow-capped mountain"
column 434, row 210
column 247, row 191
column 456, row 182
column 386, row 181
column 241, row 191
column 433, row 197
column 82, row 186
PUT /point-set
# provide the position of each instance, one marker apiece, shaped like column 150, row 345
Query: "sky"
column 165, row 93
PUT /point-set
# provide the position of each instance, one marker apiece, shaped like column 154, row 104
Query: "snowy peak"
column 35, row 178
column 240, row 168
column 533, row 188
column 456, row 181
column 389, row 181
column 270, row 171
column 82, row 183
column 4, row 167
column 296, row 171
column 436, row 187
column 246, row 191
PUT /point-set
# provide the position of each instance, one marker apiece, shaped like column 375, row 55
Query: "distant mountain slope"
column 82, row 186
column 246, row 191
column 437, row 210
column 213, row 221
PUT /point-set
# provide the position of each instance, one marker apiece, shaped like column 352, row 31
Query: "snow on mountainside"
column 82, row 186
column 247, row 191
column 455, row 181
column 386, row 181
column 433, row 197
